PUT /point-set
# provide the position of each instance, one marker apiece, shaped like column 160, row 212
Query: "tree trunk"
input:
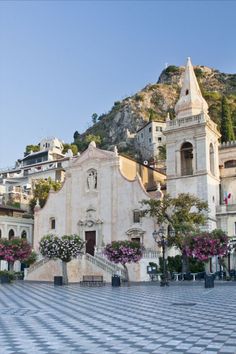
column 11, row 266
column 126, row 272
column 185, row 263
column 64, row 273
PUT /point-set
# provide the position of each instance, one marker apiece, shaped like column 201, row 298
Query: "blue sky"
column 61, row 61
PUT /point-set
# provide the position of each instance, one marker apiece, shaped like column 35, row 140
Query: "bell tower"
column 192, row 147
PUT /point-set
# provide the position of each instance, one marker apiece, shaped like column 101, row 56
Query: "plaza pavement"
column 183, row 318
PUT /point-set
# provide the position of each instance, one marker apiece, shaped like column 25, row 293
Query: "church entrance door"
column 90, row 238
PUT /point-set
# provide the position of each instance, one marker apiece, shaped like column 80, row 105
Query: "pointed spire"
column 190, row 101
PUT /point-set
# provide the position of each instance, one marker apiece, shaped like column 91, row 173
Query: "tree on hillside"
column 65, row 248
column 124, row 252
column 72, row 147
column 226, row 129
column 185, row 213
column 41, row 190
column 94, row 118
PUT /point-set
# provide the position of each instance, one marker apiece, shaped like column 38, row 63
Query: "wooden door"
column 90, row 239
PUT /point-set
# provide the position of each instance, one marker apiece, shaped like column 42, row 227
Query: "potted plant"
column 6, row 276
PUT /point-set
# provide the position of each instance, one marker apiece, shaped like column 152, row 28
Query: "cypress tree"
column 227, row 131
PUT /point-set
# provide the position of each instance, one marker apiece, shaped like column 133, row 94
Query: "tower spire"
column 190, row 101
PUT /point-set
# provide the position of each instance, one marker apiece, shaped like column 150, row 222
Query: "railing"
column 106, row 265
column 151, row 254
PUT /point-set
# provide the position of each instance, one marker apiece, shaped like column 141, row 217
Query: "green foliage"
column 196, row 266
column 162, row 152
column 138, row 97
column 94, row 118
column 8, row 273
column 198, row 72
column 153, row 115
column 172, row 69
column 31, row 259
column 72, row 147
column 33, row 148
column 41, row 190
column 174, row 264
column 227, row 132
column 90, row 137
column 184, row 213
column 76, row 135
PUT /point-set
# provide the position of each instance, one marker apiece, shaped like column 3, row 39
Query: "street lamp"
column 160, row 237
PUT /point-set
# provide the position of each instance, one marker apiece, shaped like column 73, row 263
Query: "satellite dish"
column 145, row 162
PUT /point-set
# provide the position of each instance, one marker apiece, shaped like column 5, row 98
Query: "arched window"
column 24, row 234
column 0, row 233
column 11, row 234
column 230, row 163
column 52, row 223
column 186, row 159
column 212, row 159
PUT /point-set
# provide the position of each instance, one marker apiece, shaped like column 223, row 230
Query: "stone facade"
column 98, row 201
column 192, row 148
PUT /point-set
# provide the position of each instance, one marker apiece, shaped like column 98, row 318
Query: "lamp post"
column 160, row 237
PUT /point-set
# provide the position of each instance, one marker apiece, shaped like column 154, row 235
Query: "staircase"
column 36, row 265
column 105, row 265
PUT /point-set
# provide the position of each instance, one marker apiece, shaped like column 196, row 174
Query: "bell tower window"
column 186, row 153
column 186, row 92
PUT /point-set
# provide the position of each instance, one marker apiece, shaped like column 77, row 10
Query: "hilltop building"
column 149, row 138
column 16, row 183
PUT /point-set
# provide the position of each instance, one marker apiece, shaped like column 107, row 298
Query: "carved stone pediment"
column 90, row 222
column 135, row 232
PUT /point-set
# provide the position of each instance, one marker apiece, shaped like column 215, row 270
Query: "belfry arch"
column 186, row 157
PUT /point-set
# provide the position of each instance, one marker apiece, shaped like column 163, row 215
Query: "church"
column 101, row 195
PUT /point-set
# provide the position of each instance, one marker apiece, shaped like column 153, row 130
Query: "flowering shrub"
column 65, row 248
column 123, row 252
column 207, row 245
column 16, row 249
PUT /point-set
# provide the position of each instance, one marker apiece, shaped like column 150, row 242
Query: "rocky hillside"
column 153, row 103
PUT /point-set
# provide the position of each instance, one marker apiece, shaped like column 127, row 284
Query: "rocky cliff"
column 119, row 126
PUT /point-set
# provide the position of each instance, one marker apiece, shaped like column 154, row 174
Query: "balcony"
column 223, row 209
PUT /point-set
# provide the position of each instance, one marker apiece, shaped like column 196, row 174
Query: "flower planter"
column 4, row 279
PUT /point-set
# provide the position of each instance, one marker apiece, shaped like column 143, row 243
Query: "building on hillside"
column 15, row 223
column 16, row 183
column 149, row 138
column 100, row 201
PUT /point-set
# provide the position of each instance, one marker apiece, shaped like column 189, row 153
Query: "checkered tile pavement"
column 38, row 318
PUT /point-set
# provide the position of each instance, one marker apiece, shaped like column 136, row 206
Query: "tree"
column 162, row 152
column 207, row 244
column 72, row 147
column 16, row 249
column 33, row 148
column 123, row 252
column 76, row 135
column 94, row 118
column 227, row 131
column 185, row 213
column 90, row 137
column 41, row 190
column 65, row 248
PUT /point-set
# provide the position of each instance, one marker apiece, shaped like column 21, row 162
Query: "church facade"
column 100, row 201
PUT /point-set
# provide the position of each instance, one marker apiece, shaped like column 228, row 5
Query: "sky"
column 62, row 61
